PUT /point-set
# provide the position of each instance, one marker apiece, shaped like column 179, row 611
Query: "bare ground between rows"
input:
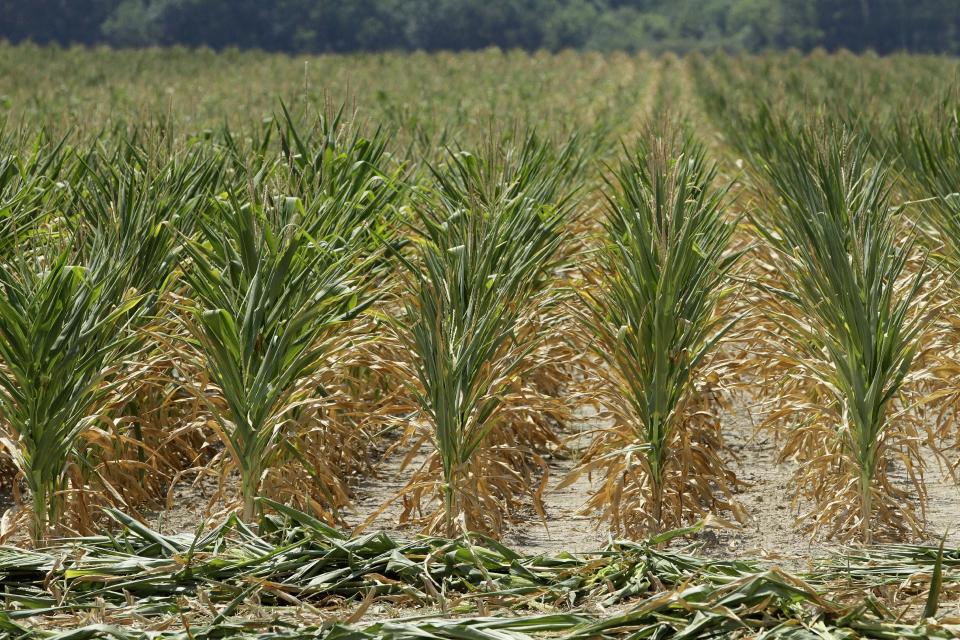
column 771, row 534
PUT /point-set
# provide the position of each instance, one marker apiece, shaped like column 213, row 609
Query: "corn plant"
column 653, row 319
column 928, row 150
column 29, row 184
column 269, row 298
column 134, row 206
column 63, row 331
column 487, row 236
column 533, row 171
column 849, row 310
column 333, row 156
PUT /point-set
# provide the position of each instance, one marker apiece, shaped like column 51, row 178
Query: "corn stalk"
column 653, row 316
column 63, row 332
column 849, row 313
column 488, row 235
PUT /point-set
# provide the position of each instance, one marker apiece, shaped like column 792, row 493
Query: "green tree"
column 376, row 25
column 133, row 23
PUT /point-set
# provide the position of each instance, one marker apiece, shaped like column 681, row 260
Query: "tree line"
column 317, row 26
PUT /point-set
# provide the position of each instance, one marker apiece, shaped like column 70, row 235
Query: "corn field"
column 487, row 345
